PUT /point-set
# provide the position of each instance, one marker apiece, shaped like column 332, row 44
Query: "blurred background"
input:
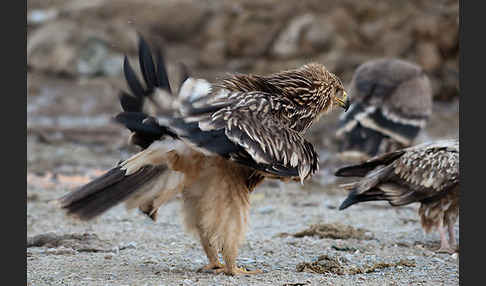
column 75, row 53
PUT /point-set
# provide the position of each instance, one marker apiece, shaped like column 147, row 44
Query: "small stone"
column 130, row 245
column 266, row 210
column 428, row 56
column 437, row 260
column 287, row 43
column 41, row 16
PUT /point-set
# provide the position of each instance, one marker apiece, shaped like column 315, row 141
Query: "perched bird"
column 392, row 101
column 427, row 173
column 228, row 138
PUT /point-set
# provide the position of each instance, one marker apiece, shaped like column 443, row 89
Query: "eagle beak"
column 343, row 102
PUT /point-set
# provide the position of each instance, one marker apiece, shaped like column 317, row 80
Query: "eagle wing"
column 405, row 176
column 391, row 99
column 430, row 168
column 249, row 131
column 265, row 138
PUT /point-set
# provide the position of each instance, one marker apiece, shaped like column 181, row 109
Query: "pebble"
column 266, row 210
column 40, row 16
column 437, row 260
column 130, row 245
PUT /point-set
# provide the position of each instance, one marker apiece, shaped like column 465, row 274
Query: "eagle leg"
column 452, row 237
column 238, row 270
column 230, row 252
column 444, row 243
column 212, row 254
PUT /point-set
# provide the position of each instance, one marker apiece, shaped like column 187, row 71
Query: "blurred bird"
column 228, row 138
column 392, row 101
column 427, row 173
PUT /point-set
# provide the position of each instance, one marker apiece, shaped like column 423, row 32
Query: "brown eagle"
column 392, row 102
column 427, row 173
column 228, row 138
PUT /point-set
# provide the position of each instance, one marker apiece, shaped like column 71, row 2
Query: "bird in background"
column 392, row 102
column 222, row 141
column 427, row 173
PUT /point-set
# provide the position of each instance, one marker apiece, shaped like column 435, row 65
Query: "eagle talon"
column 238, row 271
column 212, row 267
column 448, row 250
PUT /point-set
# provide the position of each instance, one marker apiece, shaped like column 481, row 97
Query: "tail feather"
column 105, row 192
column 362, row 169
column 393, row 193
column 147, row 65
column 154, row 75
column 132, row 80
column 355, row 197
column 146, row 178
column 130, row 103
column 162, row 76
column 145, row 128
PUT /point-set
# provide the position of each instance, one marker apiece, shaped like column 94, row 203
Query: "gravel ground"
column 141, row 252
column 126, row 248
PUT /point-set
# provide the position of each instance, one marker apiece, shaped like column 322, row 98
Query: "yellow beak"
column 343, row 102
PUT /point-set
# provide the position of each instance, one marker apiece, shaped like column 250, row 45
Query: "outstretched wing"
column 253, row 125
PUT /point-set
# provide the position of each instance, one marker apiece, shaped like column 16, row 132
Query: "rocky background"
column 75, row 53
column 88, row 38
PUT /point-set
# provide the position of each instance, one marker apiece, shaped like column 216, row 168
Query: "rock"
column 90, row 57
column 428, row 56
column 266, row 210
column 213, row 54
column 241, row 36
column 48, row 48
column 448, row 37
column 94, row 59
column 319, row 37
column 287, row 43
column 86, row 242
column 395, row 44
column 40, row 16
column 172, row 20
column 130, row 245
column 214, row 37
column 427, row 26
column 64, row 47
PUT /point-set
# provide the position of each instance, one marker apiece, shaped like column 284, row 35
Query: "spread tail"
column 145, row 180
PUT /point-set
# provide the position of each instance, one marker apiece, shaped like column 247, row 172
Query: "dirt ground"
column 367, row 244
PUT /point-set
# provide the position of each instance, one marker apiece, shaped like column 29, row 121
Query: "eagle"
column 223, row 140
column 392, row 102
column 427, row 173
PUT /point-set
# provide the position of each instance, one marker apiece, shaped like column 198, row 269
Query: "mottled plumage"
column 227, row 139
column 427, row 173
column 392, row 101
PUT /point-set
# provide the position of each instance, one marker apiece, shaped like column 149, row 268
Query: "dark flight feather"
column 106, row 191
column 415, row 174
